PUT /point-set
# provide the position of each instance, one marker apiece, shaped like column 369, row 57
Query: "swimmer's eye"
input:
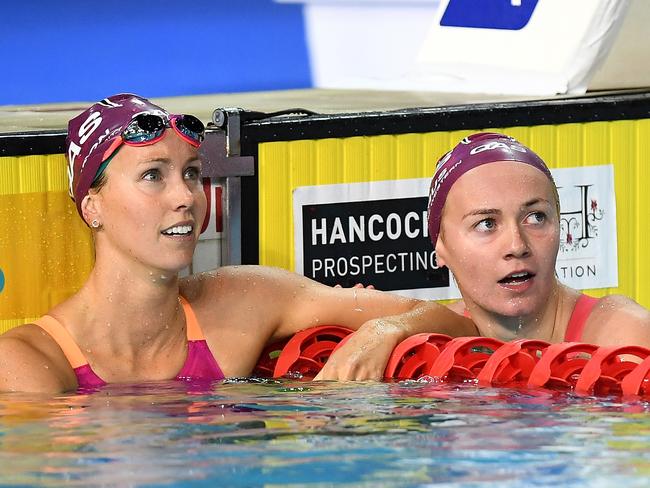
column 192, row 173
column 536, row 218
column 152, row 175
column 485, row 225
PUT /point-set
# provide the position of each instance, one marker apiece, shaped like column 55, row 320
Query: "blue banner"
column 489, row 14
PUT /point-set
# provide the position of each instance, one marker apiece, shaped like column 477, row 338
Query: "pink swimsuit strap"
column 577, row 321
column 200, row 363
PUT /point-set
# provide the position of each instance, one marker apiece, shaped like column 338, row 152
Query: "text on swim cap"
column 440, row 178
column 497, row 145
column 86, row 129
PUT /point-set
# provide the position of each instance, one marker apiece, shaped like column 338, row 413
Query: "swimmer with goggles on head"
column 135, row 177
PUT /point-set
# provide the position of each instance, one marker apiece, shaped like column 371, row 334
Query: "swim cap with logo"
column 95, row 134
column 473, row 151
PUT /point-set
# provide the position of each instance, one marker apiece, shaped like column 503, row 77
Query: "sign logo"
column 2, row 281
column 488, row 14
column 379, row 242
column 588, row 256
column 578, row 227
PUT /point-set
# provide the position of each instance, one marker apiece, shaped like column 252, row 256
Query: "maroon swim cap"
column 95, row 134
column 473, row 151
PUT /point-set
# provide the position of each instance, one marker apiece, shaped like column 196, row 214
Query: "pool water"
column 283, row 433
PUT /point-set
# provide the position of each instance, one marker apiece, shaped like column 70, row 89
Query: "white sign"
column 376, row 233
column 588, row 256
column 528, row 47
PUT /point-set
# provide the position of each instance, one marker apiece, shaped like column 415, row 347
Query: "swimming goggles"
column 147, row 128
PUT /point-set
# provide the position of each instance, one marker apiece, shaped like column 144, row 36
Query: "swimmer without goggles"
column 473, row 151
column 95, row 135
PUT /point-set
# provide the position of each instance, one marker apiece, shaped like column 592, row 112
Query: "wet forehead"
column 502, row 184
column 170, row 148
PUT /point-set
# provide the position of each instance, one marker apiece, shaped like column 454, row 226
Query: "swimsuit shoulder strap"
column 579, row 316
column 200, row 363
column 64, row 339
column 194, row 332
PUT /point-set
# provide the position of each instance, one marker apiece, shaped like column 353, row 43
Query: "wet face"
column 152, row 205
column 500, row 237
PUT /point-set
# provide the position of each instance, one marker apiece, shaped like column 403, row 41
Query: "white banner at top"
column 531, row 47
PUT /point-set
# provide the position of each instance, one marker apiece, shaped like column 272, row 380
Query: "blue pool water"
column 317, row 434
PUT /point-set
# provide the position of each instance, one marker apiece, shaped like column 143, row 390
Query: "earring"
column 95, row 224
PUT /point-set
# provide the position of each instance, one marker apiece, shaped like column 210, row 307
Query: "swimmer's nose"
column 517, row 243
column 182, row 195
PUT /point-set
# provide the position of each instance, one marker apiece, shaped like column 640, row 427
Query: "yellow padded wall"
column 45, row 248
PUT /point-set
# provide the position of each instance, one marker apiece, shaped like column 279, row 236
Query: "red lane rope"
column 586, row 369
column 512, row 363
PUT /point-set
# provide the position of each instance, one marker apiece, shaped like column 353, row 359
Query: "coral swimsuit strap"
column 197, row 346
column 579, row 316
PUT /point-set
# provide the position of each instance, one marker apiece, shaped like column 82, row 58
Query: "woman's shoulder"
column 32, row 361
column 618, row 320
column 618, row 306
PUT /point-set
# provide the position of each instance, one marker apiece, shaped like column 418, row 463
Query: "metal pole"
column 221, row 153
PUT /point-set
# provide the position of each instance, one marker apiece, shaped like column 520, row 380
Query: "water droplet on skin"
column 46, row 366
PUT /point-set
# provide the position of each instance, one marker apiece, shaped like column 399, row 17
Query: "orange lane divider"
column 463, row 358
column 415, row 356
column 607, row 368
column 561, row 365
column 571, row 366
column 308, row 350
column 512, row 363
column 637, row 383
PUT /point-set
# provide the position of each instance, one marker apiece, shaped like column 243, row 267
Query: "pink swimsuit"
column 200, row 364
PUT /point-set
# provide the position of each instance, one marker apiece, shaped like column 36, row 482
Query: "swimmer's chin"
column 513, row 311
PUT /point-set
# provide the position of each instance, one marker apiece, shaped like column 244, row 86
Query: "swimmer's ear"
column 441, row 252
column 90, row 208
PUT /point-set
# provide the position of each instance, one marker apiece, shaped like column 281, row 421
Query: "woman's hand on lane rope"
column 365, row 354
